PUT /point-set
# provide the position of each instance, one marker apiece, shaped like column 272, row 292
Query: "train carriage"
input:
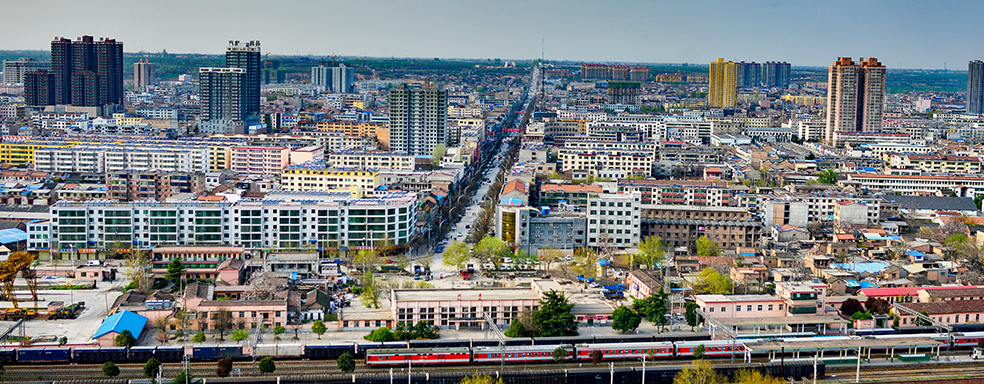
column 98, row 354
column 711, row 348
column 327, row 351
column 169, row 354
column 519, row 353
column 8, row 355
column 44, row 355
column 412, row 356
column 613, row 351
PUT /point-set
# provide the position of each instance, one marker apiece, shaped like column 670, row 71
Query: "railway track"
column 846, row 373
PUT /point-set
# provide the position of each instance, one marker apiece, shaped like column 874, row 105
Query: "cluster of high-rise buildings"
column 726, row 77
column 84, row 73
column 337, row 78
column 230, row 95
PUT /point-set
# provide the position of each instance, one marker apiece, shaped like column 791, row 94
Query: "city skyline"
column 664, row 33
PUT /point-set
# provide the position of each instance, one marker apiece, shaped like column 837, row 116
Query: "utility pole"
column 644, row 370
column 857, row 375
column 611, row 373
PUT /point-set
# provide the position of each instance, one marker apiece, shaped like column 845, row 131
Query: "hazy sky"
column 910, row 34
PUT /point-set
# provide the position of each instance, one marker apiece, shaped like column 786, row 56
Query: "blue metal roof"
column 120, row 321
column 868, row 284
column 870, row 267
column 12, row 235
column 915, row 253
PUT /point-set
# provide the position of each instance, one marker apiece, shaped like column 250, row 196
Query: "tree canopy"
column 827, row 176
column 346, row 363
column 554, row 318
column 380, row 334
column 456, row 255
column 707, row 247
column 653, row 308
column 652, row 251
column 713, row 282
column 625, row 319
column 125, row 339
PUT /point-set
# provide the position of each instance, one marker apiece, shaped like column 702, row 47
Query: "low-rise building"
column 741, row 306
column 455, row 309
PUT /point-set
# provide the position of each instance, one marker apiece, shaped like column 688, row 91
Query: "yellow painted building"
column 219, row 157
column 23, row 152
column 722, row 84
column 349, row 128
column 318, row 179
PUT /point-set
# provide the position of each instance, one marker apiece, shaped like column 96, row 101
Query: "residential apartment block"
column 614, row 220
column 284, row 220
column 679, row 192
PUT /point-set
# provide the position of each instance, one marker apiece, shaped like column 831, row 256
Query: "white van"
column 93, row 263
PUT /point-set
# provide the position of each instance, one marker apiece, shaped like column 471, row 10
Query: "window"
column 760, row 307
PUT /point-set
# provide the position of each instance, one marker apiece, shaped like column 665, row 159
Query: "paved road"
column 460, row 229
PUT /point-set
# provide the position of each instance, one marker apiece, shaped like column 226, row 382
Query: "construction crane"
column 19, row 262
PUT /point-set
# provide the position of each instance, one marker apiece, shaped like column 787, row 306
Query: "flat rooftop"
column 840, row 343
column 783, row 320
column 465, row 294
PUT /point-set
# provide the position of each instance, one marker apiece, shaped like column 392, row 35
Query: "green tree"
column 175, row 271
column 811, row 156
column 456, row 255
column 920, row 322
column 199, row 337
column 346, row 363
column 185, row 377
column 653, row 308
column 490, row 250
column 110, row 369
column 224, row 367
column 700, row 351
column 652, row 251
column 699, row 372
column 978, row 200
column 266, row 365
column 625, row 319
column 862, row 315
column 239, row 335
column 709, row 280
column 691, row 315
column 554, row 318
column 371, row 290
column 895, row 321
column 380, row 334
column 559, row 354
column 707, row 247
column 319, row 328
column 62, row 341
column 151, row 368
column 125, row 339
column 827, row 176
column 277, row 331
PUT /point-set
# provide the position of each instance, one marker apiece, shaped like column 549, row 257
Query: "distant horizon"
column 466, row 59
column 902, row 34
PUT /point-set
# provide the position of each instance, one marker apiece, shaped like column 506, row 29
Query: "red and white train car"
column 414, row 356
column 613, row 351
column 519, row 353
column 711, row 348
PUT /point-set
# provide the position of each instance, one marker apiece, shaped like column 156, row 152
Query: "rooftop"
column 465, row 294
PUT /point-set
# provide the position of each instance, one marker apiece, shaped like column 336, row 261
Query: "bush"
column 224, row 367
column 125, row 339
column 199, row 337
column 267, row 365
column 151, row 368
column 110, row 369
column 239, row 335
column 346, row 363
column 380, row 334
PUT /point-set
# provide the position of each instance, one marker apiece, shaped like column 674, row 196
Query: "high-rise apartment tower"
column 855, row 96
column 417, row 118
column 975, row 87
column 722, row 84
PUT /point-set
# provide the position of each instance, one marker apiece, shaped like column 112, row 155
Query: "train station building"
column 462, row 309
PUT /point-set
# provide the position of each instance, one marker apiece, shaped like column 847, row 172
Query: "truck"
column 612, row 294
column 471, row 268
